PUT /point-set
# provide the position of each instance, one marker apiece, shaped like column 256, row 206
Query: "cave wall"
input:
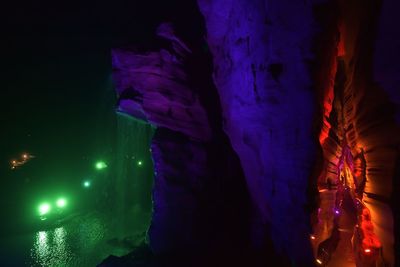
column 369, row 117
column 261, row 53
column 153, row 85
column 200, row 200
column 325, row 73
column 386, row 53
column 364, row 113
column 386, row 75
column 274, row 69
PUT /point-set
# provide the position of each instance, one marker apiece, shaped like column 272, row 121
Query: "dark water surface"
column 82, row 241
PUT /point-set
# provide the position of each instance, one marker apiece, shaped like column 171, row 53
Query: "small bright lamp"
column 61, row 202
column 86, row 184
column 44, row 208
column 100, row 165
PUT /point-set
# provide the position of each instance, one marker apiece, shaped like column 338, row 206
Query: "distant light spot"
column 44, row 208
column 61, row 202
column 100, row 165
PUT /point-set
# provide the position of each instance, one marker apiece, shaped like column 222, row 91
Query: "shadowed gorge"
column 360, row 140
column 202, row 133
column 274, row 77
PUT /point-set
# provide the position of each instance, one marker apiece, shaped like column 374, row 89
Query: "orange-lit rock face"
column 359, row 119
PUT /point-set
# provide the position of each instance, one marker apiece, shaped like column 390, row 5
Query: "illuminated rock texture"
column 240, row 116
column 361, row 107
column 155, row 87
column 200, row 199
column 386, row 159
column 261, row 52
column 381, row 135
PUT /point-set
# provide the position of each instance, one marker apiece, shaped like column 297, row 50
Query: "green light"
column 86, row 184
column 44, row 208
column 61, row 202
column 140, row 163
column 100, row 165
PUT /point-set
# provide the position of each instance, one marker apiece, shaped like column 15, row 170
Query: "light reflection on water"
column 51, row 248
column 82, row 242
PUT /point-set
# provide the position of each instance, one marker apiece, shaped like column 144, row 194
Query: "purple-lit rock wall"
column 200, row 199
column 266, row 88
column 386, row 54
column 261, row 51
column 181, row 172
column 154, row 86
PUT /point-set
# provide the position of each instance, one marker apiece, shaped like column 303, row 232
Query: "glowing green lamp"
column 61, row 202
column 44, row 209
column 100, row 165
column 86, row 184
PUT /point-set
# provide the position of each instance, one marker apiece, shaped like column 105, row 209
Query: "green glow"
column 44, row 208
column 140, row 163
column 86, row 184
column 61, row 202
column 100, row 165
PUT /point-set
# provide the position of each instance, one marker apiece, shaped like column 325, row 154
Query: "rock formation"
column 280, row 97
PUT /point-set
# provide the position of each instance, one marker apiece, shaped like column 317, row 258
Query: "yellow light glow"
column 312, row 237
column 319, row 261
column 367, row 250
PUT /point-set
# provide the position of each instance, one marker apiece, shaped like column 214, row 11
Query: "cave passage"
column 344, row 234
column 198, row 133
column 353, row 223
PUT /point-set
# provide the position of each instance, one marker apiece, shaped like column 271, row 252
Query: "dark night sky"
column 57, row 98
column 56, row 75
column 56, row 70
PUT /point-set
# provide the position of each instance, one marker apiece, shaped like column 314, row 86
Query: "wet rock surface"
column 201, row 203
column 261, row 56
column 236, row 133
column 154, row 85
column 361, row 110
